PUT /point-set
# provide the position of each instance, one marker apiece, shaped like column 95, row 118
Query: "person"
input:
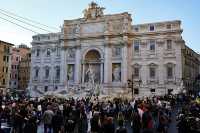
column 31, row 125
column 108, row 126
column 162, row 126
column 57, row 122
column 47, row 119
column 120, row 118
column 147, row 122
column 70, row 123
column 121, row 128
column 95, row 123
column 82, row 122
column 136, row 122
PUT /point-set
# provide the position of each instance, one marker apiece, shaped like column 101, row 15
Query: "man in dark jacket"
column 57, row 122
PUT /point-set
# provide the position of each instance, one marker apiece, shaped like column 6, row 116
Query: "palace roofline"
column 6, row 43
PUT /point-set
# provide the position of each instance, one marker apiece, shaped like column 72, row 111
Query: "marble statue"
column 77, row 29
column 70, row 73
column 90, row 74
column 71, row 53
column 116, row 74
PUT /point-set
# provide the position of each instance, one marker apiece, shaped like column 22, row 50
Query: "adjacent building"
column 190, row 65
column 5, row 63
column 101, row 52
column 18, row 53
column 24, row 72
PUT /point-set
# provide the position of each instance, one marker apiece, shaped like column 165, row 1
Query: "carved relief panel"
column 71, row 53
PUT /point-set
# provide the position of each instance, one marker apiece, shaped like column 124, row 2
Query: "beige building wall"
column 5, row 63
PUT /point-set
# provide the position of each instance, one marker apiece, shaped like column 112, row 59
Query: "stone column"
column 144, row 74
column 161, row 73
column 83, row 72
column 106, row 64
column 63, row 68
column 77, row 66
column 101, row 69
column 124, row 64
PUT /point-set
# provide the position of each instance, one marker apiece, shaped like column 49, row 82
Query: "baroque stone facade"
column 101, row 52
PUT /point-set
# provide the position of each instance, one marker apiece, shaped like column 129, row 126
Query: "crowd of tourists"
column 88, row 115
column 188, row 117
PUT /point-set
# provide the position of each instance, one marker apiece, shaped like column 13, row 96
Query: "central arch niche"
column 92, row 55
column 92, row 67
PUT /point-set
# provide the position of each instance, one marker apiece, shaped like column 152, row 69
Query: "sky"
column 54, row 12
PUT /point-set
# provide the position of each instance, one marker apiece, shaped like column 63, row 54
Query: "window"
column 5, row 48
column 56, row 88
column 136, row 91
column 116, row 51
column 152, row 45
column 136, row 72
column 17, row 58
column 168, row 26
column 4, row 58
column 169, row 72
column 136, row 29
column 48, row 51
column 4, row 81
column 136, row 45
column 169, row 44
column 151, row 28
column 153, row 90
column 46, row 88
column 38, row 52
column 57, row 72
column 36, row 72
column 152, row 72
column 8, row 50
column 7, row 58
column 15, row 76
column 57, row 51
column 47, row 73
column 6, row 69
